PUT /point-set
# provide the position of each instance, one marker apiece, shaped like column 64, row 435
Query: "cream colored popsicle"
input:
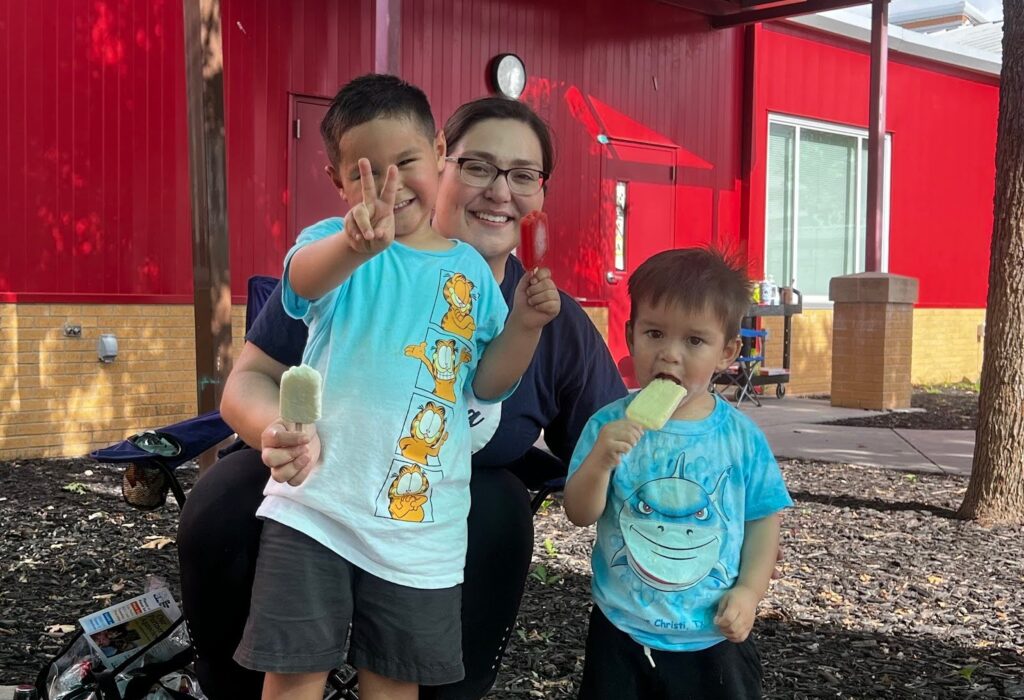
column 656, row 403
column 300, row 395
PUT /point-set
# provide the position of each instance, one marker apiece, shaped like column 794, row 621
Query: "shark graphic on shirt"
column 673, row 531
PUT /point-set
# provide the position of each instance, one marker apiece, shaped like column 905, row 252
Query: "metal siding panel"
column 946, row 247
column 16, row 107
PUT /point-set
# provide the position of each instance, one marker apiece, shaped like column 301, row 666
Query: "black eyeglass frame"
column 499, row 172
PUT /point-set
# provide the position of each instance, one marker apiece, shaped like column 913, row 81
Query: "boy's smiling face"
column 400, row 141
column 682, row 345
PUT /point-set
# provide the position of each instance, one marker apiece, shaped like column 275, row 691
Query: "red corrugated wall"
column 614, row 54
column 943, row 125
column 272, row 51
column 93, row 152
column 102, row 210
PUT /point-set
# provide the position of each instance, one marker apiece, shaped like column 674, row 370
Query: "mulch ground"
column 884, row 593
column 939, row 408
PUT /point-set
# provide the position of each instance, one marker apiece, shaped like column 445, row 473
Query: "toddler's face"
column 681, row 345
column 400, row 142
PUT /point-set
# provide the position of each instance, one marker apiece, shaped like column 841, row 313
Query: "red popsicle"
column 533, row 238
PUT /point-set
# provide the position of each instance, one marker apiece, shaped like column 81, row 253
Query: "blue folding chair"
column 742, row 372
column 153, row 455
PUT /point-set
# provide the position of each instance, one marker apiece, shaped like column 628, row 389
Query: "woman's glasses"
column 480, row 173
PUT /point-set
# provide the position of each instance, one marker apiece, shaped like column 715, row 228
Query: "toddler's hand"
column 615, row 440
column 370, row 224
column 736, row 612
column 537, row 300
column 290, row 454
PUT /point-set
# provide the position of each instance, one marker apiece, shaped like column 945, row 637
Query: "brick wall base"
column 58, row 400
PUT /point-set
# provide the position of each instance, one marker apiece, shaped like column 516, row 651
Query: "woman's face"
column 488, row 217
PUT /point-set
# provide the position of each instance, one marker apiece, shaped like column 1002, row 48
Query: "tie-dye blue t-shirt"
column 669, row 541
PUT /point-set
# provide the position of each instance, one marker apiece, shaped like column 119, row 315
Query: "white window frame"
column 818, row 300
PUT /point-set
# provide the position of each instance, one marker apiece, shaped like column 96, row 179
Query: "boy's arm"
column 759, row 554
column 738, row 607
column 317, row 268
column 535, row 303
column 586, row 492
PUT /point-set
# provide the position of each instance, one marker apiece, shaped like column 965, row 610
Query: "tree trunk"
column 996, row 491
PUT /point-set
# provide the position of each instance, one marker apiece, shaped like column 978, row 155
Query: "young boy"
column 401, row 320
column 687, row 516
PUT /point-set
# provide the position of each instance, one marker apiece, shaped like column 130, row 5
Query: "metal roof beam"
column 780, row 12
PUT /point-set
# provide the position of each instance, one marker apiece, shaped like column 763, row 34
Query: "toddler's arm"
column 737, row 608
column 316, row 269
column 586, row 492
column 536, row 302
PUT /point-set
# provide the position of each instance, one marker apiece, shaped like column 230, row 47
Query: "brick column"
column 872, row 335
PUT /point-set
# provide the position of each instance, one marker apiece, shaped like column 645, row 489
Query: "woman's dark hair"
column 472, row 113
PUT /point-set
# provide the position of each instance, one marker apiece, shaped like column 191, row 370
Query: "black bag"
column 75, row 673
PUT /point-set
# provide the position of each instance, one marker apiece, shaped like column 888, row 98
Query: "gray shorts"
column 305, row 596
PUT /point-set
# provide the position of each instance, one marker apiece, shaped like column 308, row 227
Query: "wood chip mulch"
column 884, row 593
column 936, row 408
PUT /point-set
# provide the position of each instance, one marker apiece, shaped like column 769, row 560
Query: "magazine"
column 117, row 632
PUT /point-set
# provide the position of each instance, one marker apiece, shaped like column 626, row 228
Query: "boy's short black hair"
column 694, row 278
column 369, row 97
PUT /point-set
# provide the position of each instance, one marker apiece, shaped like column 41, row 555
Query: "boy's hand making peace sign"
column 370, row 224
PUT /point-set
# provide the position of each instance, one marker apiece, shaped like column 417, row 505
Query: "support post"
column 387, row 36
column 204, row 90
column 876, row 134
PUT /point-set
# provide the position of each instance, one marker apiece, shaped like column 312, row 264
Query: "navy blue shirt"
column 571, row 376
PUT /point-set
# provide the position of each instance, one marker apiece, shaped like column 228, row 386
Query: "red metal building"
column 651, row 105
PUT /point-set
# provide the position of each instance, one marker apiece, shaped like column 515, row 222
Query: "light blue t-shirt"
column 396, row 344
column 669, row 540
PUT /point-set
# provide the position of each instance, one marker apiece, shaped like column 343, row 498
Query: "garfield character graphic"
column 426, row 434
column 408, row 494
column 458, row 293
column 443, row 365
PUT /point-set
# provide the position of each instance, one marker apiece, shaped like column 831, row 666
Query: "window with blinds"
column 815, row 212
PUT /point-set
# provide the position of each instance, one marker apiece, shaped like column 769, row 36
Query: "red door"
column 638, row 217
column 313, row 196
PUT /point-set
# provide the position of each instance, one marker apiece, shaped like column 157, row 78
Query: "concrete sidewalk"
column 794, row 429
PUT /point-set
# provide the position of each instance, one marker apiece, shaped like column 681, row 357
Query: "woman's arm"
column 251, row 394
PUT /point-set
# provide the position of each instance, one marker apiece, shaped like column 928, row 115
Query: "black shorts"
column 616, row 668
column 305, row 597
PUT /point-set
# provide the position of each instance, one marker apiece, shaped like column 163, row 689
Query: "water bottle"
column 773, row 291
column 766, row 292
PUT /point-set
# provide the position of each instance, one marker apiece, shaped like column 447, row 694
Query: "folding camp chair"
column 152, row 456
column 740, row 375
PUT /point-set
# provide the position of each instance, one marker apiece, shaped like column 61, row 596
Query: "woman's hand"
column 536, row 300
column 290, row 454
column 614, row 441
column 370, row 224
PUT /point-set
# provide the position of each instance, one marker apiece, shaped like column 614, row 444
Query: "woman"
column 570, row 377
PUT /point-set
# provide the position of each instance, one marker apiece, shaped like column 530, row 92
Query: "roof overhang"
column 734, row 13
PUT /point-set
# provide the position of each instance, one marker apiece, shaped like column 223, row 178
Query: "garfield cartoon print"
column 408, row 494
column 427, row 433
column 442, row 363
column 458, row 293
